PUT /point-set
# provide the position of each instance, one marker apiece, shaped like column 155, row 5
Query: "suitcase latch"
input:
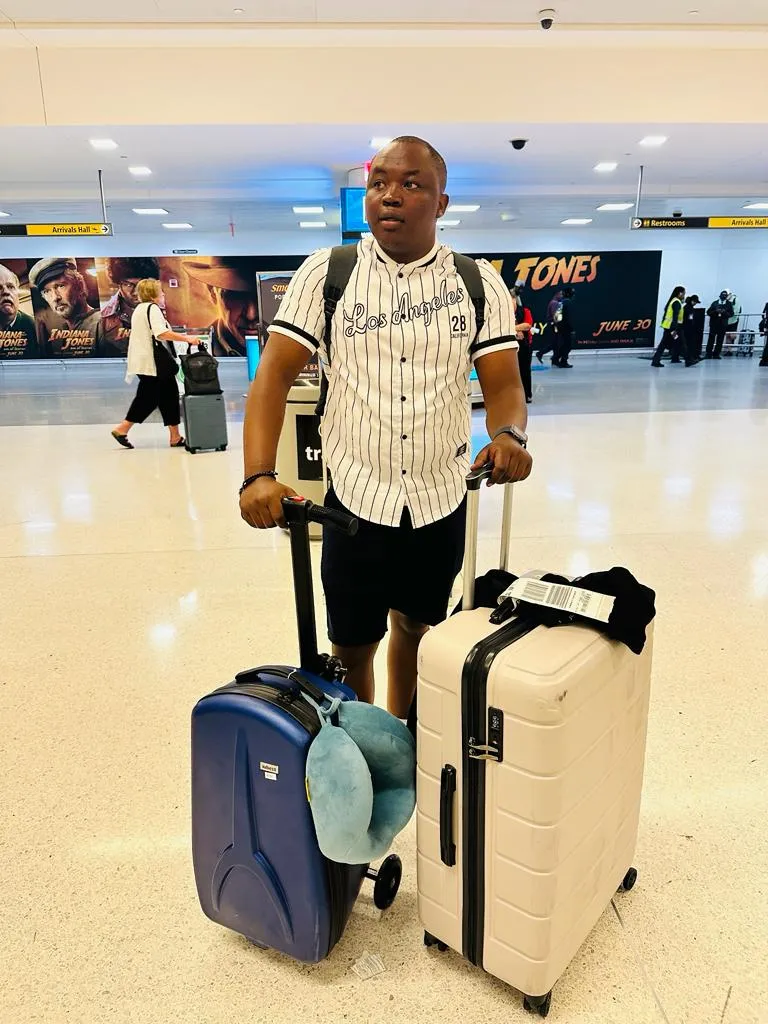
column 493, row 750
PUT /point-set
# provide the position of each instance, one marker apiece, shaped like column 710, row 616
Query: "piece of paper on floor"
column 368, row 966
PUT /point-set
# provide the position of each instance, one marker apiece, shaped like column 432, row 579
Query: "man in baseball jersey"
column 396, row 430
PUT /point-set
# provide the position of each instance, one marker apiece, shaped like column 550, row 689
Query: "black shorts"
column 385, row 568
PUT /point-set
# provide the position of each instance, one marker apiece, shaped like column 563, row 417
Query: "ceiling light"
column 312, row 224
column 469, row 208
column 606, row 167
column 238, row 10
column 103, row 143
column 653, row 140
column 379, row 141
column 755, row 206
column 178, row 227
column 615, row 207
column 308, row 209
column 140, row 171
column 150, row 211
column 577, row 221
column 509, row 216
column 4, row 214
column 449, row 223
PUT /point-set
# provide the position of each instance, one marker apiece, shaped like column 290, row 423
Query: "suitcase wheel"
column 629, row 881
column 387, row 881
column 430, row 940
column 538, row 1004
column 221, row 448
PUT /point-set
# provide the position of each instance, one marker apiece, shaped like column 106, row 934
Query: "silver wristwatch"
column 520, row 436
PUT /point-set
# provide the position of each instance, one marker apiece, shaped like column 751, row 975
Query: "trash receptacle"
column 300, row 452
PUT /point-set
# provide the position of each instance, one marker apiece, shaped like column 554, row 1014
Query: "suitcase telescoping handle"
column 474, row 483
column 299, row 513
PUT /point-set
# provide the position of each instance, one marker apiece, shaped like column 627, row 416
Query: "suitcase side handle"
column 474, row 481
column 447, row 793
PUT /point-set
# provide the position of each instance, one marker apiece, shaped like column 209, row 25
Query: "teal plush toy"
column 360, row 781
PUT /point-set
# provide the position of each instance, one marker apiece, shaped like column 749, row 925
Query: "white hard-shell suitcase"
column 531, row 746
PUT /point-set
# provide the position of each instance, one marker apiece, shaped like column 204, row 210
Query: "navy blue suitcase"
column 258, row 868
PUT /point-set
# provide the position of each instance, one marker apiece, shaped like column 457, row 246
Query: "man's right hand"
column 261, row 503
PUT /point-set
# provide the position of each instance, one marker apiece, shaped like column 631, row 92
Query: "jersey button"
column 401, row 274
column 405, row 437
column 402, row 360
column 402, row 398
column 405, row 471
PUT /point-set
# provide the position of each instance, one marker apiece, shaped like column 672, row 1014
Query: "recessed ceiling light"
column 577, row 221
column 468, row 208
column 4, row 214
column 379, row 141
column 509, row 216
column 653, row 140
column 309, row 209
column 755, row 206
column 103, row 143
column 448, row 223
column 238, row 10
column 312, row 224
column 150, row 211
column 178, row 227
column 693, row 13
column 611, row 207
column 140, row 171
column 606, row 166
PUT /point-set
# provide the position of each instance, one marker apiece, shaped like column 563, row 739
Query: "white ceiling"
column 254, row 174
column 439, row 12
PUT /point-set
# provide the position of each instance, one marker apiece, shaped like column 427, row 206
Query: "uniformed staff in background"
column 672, row 324
column 719, row 313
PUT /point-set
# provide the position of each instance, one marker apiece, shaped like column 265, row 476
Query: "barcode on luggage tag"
column 569, row 599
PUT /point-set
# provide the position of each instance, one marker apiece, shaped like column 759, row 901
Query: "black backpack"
column 340, row 267
column 201, row 372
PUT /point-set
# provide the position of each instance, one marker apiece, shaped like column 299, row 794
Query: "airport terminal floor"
column 137, row 589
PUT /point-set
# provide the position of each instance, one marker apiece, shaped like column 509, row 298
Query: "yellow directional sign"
column 69, row 229
column 738, row 222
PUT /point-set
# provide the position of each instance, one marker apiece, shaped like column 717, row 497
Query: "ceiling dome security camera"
column 677, row 213
column 519, row 143
column 547, row 18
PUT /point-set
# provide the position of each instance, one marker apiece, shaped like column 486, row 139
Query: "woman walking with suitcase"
column 153, row 361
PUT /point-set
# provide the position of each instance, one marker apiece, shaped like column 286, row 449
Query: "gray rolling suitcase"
column 205, row 423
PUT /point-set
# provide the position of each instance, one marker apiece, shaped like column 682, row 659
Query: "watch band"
column 515, row 432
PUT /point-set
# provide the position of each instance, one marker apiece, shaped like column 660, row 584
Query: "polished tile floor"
column 130, row 588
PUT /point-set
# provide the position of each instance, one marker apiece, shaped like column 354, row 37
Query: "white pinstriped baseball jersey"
column 396, row 430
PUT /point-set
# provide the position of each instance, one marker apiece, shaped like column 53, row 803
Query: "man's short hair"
column 123, row 268
column 437, row 160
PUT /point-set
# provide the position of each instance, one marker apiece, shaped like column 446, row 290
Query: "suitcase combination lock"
column 493, row 750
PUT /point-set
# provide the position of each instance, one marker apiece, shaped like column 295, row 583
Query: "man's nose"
column 393, row 196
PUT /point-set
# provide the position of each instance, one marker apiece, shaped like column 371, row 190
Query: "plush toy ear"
column 340, row 795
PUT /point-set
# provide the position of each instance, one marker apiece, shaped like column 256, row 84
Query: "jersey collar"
column 425, row 261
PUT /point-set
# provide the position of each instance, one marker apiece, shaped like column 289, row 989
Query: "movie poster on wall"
column 18, row 333
column 616, row 294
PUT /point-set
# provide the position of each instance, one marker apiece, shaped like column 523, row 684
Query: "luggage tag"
column 573, row 600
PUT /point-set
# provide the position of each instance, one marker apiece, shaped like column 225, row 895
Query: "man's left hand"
column 510, row 461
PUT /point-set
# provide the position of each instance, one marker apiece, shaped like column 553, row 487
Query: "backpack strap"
column 340, row 266
column 469, row 272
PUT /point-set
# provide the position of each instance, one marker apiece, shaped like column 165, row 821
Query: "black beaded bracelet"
column 256, row 476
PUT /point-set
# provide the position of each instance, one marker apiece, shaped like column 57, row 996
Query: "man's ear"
column 443, row 205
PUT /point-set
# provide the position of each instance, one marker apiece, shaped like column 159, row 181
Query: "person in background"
column 155, row 366
column 125, row 272
column 523, row 327
column 564, row 332
column 733, row 322
column 688, row 334
column 719, row 313
column 672, row 324
column 764, row 331
column 548, row 340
